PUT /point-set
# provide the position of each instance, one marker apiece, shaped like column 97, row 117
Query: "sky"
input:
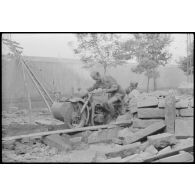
column 57, row 45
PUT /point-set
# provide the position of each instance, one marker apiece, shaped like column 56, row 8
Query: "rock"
column 182, row 157
column 162, row 140
column 151, row 149
column 141, row 123
column 124, row 151
column 165, row 150
column 156, row 127
column 152, row 113
column 184, row 127
column 57, row 141
column 187, row 112
column 149, row 101
column 8, row 145
column 125, row 132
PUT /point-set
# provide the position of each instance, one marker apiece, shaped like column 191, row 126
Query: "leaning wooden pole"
column 40, row 92
column 28, row 93
column 89, row 128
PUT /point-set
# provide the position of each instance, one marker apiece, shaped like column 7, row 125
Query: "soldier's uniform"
column 116, row 92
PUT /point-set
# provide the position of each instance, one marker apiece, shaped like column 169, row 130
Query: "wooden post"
column 170, row 113
column 28, row 94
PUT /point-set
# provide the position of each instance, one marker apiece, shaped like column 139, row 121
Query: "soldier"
column 110, row 86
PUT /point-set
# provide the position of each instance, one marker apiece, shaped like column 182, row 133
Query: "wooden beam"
column 90, row 128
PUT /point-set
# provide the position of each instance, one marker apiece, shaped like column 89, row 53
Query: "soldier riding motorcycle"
column 102, row 103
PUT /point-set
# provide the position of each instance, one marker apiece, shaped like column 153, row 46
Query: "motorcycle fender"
column 74, row 100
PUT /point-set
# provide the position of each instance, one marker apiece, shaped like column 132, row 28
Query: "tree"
column 187, row 63
column 150, row 51
column 99, row 50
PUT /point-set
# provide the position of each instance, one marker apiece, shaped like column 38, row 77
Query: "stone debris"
column 189, row 112
column 156, row 127
column 141, row 136
column 151, row 113
column 184, row 128
column 162, row 140
column 149, row 101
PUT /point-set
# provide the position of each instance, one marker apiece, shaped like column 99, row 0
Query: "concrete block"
column 184, row 127
column 149, row 101
column 187, row 112
column 151, row 113
column 182, row 103
column 165, row 150
column 58, row 142
column 162, row 140
column 117, row 141
column 141, row 123
column 105, row 135
column 154, row 128
column 182, row 157
column 124, row 151
column 151, row 150
column 125, row 132
column 183, row 143
column 161, row 103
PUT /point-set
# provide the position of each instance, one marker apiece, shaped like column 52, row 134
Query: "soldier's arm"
column 113, row 88
column 95, row 86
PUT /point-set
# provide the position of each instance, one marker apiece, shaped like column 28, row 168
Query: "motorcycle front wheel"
column 73, row 118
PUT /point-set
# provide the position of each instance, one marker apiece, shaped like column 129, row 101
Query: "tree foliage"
column 187, row 63
column 96, row 49
column 150, row 52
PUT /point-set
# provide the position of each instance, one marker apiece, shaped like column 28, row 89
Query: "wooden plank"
column 91, row 128
column 170, row 113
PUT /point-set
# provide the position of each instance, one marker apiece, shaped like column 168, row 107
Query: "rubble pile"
column 145, row 138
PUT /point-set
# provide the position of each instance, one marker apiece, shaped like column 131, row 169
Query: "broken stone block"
column 152, row 113
column 131, row 158
column 183, row 143
column 124, row 133
column 76, row 140
column 156, row 127
column 105, row 135
column 192, row 103
column 58, row 142
column 117, row 141
column 184, row 127
column 187, row 112
column 182, row 103
column 165, row 150
column 151, row 149
column 141, row 123
column 162, row 140
column 161, row 103
column 149, row 101
column 182, row 157
column 124, row 151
